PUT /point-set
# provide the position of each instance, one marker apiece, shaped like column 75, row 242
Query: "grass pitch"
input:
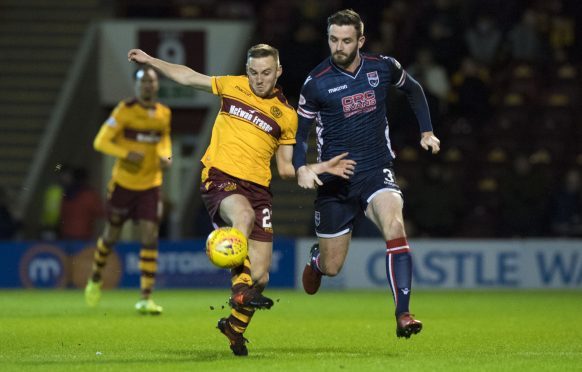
column 331, row 331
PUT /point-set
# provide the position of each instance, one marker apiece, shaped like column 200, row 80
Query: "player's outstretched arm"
column 307, row 174
column 429, row 140
column 179, row 73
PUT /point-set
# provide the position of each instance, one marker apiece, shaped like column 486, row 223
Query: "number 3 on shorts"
column 388, row 176
column 267, row 218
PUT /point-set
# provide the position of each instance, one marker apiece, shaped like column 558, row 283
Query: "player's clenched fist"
column 138, row 55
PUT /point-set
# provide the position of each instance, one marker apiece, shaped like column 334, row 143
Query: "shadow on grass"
column 283, row 352
column 173, row 356
column 160, row 358
column 321, row 352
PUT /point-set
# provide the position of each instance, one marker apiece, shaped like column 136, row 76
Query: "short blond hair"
column 263, row 50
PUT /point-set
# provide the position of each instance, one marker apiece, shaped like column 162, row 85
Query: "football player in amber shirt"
column 138, row 134
column 254, row 123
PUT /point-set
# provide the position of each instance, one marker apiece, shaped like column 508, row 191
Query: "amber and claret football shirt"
column 134, row 127
column 248, row 130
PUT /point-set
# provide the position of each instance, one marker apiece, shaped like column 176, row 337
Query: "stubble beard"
column 344, row 62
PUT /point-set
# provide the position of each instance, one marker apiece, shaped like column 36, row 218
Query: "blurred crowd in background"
column 503, row 81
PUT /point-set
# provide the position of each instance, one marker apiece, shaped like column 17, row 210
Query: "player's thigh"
column 260, row 254
column 258, row 216
column 385, row 211
column 234, row 208
column 333, row 253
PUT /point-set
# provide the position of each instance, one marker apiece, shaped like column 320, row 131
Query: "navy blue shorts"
column 339, row 201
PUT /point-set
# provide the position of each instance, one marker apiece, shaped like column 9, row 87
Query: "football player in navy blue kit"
column 345, row 95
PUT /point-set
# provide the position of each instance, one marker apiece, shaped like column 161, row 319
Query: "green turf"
column 332, row 331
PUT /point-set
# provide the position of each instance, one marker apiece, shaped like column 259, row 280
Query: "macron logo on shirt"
column 337, row 89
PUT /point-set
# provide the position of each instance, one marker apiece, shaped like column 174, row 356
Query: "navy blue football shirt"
column 350, row 110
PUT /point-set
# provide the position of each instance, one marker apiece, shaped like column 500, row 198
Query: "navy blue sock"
column 399, row 273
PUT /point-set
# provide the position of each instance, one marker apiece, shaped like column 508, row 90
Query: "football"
column 226, row 247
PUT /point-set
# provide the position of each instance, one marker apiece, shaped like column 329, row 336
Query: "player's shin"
column 241, row 276
column 399, row 273
column 148, row 265
column 102, row 250
column 240, row 316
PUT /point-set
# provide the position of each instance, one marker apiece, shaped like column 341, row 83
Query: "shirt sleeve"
column 105, row 139
column 308, row 105
column 395, row 71
column 414, row 93
column 217, row 84
column 165, row 144
column 290, row 131
column 307, row 111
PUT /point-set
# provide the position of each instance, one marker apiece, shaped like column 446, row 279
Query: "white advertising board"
column 462, row 264
column 209, row 47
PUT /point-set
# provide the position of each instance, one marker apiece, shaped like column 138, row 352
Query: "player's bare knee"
column 109, row 239
column 150, row 239
column 111, row 233
column 247, row 218
column 115, row 221
column 396, row 228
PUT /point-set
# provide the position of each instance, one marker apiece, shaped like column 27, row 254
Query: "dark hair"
column 144, row 69
column 263, row 50
column 346, row 17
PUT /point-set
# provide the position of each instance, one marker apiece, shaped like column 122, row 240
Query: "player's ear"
column 361, row 41
column 279, row 71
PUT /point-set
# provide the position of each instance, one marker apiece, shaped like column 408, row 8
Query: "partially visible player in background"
column 346, row 94
column 254, row 123
column 138, row 134
column 81, row 208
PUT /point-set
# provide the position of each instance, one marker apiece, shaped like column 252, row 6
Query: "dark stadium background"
column 502, row 79
column 495, row 219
